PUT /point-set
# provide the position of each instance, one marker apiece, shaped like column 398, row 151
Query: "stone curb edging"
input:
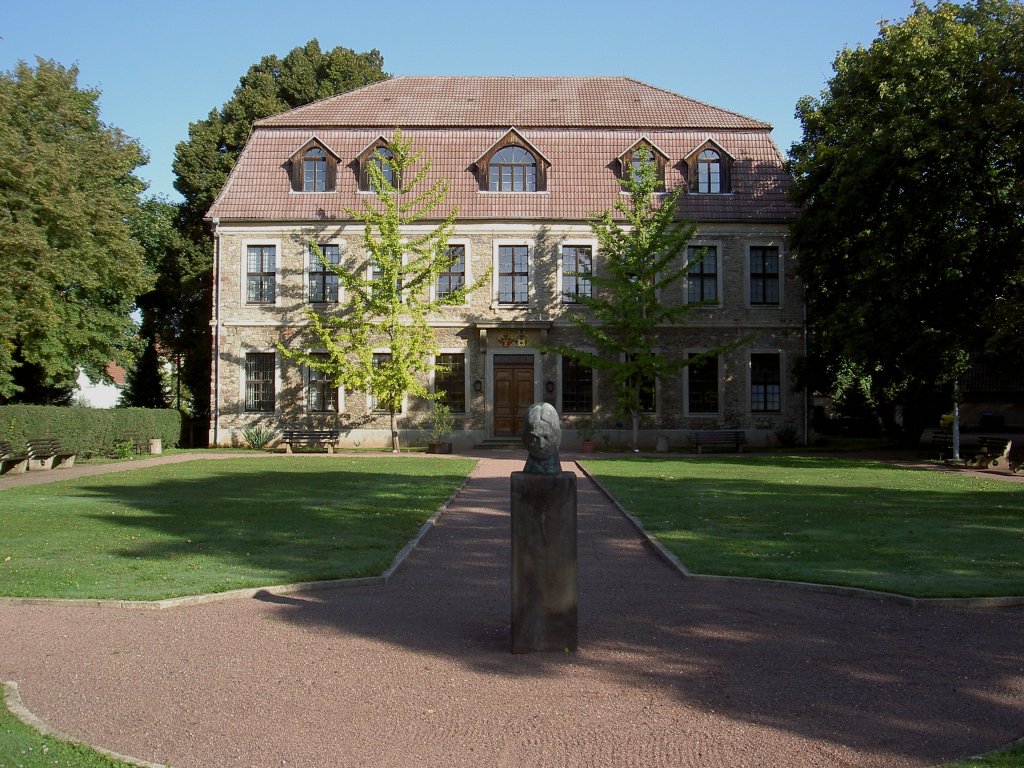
column 12, row 698
column 251, row 592
column 916, row 602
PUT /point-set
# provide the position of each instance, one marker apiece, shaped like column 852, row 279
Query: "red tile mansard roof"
column 581, row 126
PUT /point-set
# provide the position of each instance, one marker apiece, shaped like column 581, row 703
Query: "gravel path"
column 416, row 672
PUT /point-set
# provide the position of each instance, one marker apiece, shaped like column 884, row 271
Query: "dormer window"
column 313, row 167
column 512, row 164
column 709, row 171
column 640, row 156
column 379, row 155
column 512, row 169
column 643, row 150
column 314, row 170
column 382, row 158
column 709, row 168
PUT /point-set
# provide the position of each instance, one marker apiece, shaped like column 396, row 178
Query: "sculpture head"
column 542, row 434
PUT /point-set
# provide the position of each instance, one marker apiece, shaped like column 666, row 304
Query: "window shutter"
column 332, row 173
column 297, row 172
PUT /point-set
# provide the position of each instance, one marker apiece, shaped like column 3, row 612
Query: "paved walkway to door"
column 416, row 672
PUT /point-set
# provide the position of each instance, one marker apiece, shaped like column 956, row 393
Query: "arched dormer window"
column 314, row 167
column 512, row 169
column 382, row 158
column 640, row 155
column 709, row 171
column 512, row 164
column 314, row 170
column 643, row 150
column 709, row 168
column 380, row 155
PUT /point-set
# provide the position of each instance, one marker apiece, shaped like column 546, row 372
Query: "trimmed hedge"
column 89, row 431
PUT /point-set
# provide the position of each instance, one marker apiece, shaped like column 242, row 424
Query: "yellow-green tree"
column 387, row 301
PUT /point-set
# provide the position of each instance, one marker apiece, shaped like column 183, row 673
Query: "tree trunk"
column 636, row 430
column 394, row 430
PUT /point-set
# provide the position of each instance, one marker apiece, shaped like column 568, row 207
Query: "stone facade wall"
column 483, row 329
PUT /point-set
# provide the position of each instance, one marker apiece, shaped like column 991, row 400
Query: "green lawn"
column 210, row 526
column 830, row 520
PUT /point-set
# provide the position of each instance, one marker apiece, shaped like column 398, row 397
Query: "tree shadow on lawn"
column 927, row 544
column 917, row 684
column 249, row 529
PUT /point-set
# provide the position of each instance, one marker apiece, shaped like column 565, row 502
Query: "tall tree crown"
column 910, row 176
column 67, row 191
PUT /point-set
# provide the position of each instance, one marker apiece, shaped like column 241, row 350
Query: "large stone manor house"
column 529, row 160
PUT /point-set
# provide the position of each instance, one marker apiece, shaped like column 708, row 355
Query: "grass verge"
column 22, row 746
column 211, row 526
column 830, row 521
column 1013, row 758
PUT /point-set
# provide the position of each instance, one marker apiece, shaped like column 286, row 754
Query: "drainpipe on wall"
column 216, row 332
column 807, row 394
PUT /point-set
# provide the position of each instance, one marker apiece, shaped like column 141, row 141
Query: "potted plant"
column 441, row 425
column 585, row 430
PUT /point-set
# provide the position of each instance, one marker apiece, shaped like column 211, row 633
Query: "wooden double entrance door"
column 513, row 393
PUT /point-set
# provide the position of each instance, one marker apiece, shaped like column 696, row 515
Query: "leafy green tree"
column 174, row 321
column 643, row 247
column 72, row 269
column 144, row 386
column 910, row 173
column 202, row 164
column 387, row 299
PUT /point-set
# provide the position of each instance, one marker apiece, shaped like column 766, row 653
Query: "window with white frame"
column 261, row 274
column 453, row 277
column 377, row 274
column 260, row 388
column 323, row 282
column 765, row 383
column 381, row 359
column 321, row 392
column 702, row 274
column 764, row 275
column 577, row 268
column 513, row 274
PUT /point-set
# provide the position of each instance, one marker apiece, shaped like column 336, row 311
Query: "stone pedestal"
column 543, row 562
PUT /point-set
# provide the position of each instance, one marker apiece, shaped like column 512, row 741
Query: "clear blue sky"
column 163, row 64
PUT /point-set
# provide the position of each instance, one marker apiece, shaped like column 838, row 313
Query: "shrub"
column 89, row 431
column 258, row 436
column 787, row 435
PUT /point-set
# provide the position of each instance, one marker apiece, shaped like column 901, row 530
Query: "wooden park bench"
column 941, row 442
column 46, row 453
column 736, row 438
column 993, row 453
column 326, row 437
column 11, row 462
